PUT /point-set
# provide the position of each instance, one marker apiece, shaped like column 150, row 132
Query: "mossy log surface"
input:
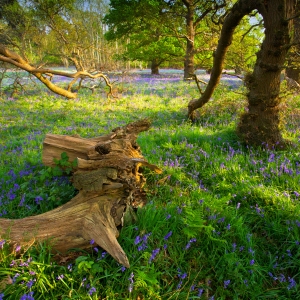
column 110, row 183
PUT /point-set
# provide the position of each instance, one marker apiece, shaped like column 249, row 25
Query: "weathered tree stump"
column 109, row 181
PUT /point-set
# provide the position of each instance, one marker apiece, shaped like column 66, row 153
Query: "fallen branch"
column 41, row 74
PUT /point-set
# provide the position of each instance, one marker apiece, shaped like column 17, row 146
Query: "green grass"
column 222, row 221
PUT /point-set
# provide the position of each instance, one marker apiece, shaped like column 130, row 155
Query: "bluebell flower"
column 281, row 278
column 30, row 283
column 226, row 283
column 153, row 255
column 200, row 292
column 28, row 296
column 167, row 235
column 92, row 290
column 60, row 277
column 137, row 240
column 251, row 251
column 130, row 288
column 188, row 245
column 38, row 200
column 233, row 247
column 292, row 283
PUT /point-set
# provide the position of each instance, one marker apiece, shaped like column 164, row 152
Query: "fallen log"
column 110, row 183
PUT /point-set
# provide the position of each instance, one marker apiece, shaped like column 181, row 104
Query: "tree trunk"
column 155, row 66
column 260, row 124
column 110, row 184
column 293, row 68
column 189, row 68
column 238, row 11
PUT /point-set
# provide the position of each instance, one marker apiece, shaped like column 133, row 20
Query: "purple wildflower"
column 142, row 247
column 137, row 240
column 15, row 277
column 250, row 250
column 200, row 292
column 130, row 288
column 226, row 283
column 292, row 283
column 153, row 255
column 168, row 217
column 28, row 296
column 18, row 248
column 238, row 205
column 281, row 278
column 30, row 283
column 21, row 203
column 92, row 242
column 1, row 296
column 179, row 210
column 188, row 245
column 167, row 235
column 252, row 261
column 2, row 243
column 233, row 247
column 92, row 290
column 228, row 227
column 60, row 277
column 70, row 267
column 38, row 200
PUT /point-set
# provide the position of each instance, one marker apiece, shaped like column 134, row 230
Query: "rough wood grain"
column 109, row 181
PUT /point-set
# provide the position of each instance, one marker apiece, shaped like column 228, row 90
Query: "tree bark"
column 238, row 11
column 189, row 68
column 110, row 184
column 293, row 68
column 155, row 66
column 260, row 125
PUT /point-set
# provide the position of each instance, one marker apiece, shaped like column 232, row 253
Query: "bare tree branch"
column 41, row 74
